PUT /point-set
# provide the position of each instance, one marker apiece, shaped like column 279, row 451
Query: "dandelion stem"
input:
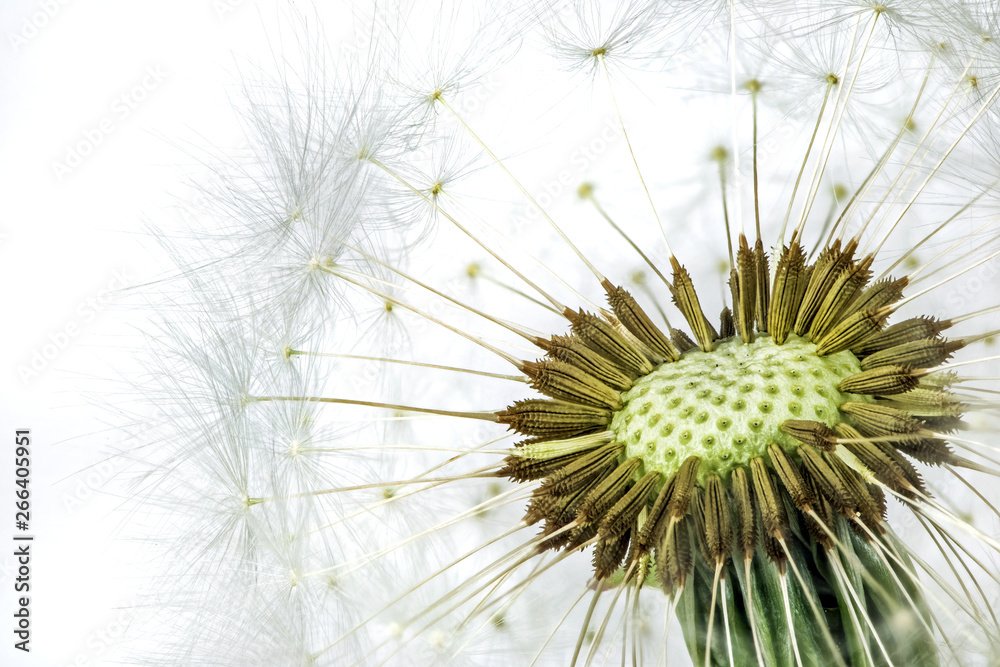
column 552, row 634
column 924, row 240
column 485, row 416
column 530, row 336
column 755, row 89
column 499, row 376
column 586, row 624
column 523, row 190
column 905, row 170
column 946, row 280
column 725, row 210
column 735, row 127
column 589, row 196
column 475, row 339
column 520, row 293
column 631, row 152
column 788, row 619
column 840, row 108
column 944, row 157
column 832, row 81
column 555, row 304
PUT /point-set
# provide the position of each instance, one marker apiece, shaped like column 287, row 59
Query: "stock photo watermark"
column 23, row 540
column 223, row 8
column 122, row 107
column 86, row 313
column 34, row 23
column 580, row 161
column 89, row 482
column 103, row 639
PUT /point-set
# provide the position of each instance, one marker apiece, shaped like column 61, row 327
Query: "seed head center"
column 727, row 406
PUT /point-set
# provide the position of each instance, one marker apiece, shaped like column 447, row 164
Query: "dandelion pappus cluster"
column 797, row 481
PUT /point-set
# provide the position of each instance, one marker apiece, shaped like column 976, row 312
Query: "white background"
column 129, row 87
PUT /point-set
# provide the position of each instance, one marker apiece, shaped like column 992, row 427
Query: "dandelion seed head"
column 772, row 428
column 724, row 407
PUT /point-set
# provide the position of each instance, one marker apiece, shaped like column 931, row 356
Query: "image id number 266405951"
column 22, row 539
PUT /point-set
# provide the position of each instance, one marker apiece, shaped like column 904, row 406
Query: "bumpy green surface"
column 726, row 406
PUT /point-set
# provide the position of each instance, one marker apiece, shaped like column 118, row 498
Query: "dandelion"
column 423, row 401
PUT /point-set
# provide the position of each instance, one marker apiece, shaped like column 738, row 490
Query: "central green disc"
column 726, row 406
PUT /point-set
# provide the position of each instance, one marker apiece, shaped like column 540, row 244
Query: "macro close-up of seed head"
column 585, row 333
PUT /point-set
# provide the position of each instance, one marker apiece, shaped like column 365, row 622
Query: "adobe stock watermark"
column 101, row 641
column 85, row 313
column 582, row 157
column 965, row 291
column 90, row 481
column 31, row 25
column 223, row 8
column 121, row 109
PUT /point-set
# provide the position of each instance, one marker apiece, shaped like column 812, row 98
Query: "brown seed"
column 774, row 518
column 835, row 305
column 882, row 381
column 926, row 450
column 821, row 269
column 568, row 538
column 558, row 379
column 929, row 402
column 791, row 478
column 553, row 419
column 832, row 262
column 923, row 353
column 718, row 527
column 634, row 318
column 948, row 424
column 899, row 333
column 883, row 293
column 745, row 299
column 657, row 519
column 889, row 467
column 821, row 518
column 881, row 419
column 609, row 553
column 746, row 524
column 572, row 351
column 673, row 556
column 867, row 507
column 814, row 433
column 727, row 327
column 604, row 339
column 683, row 487
column 853, row 329
column 622, row 516
column 878, row 496
column 686, row 299
column 681, row 340
column 790, row 279
column 763, row 291
column 593, row 464
column 522, row 469
column 827, row 481
column 540, row 507
column 608, row 492
column 565, row 512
